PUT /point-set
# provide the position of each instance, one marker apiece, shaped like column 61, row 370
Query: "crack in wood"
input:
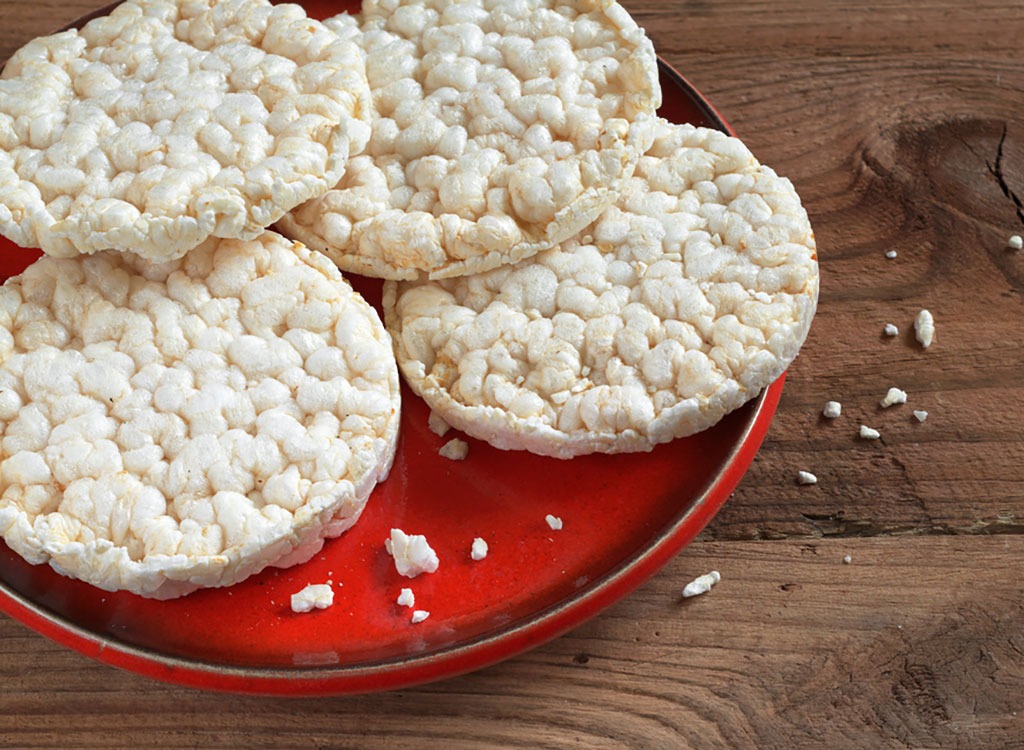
column 839, row 526
column 996, row 170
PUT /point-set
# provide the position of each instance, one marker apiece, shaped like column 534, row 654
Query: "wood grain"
column 901, row 125
column 793, row 644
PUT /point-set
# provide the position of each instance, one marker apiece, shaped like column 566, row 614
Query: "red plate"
column 625, row 517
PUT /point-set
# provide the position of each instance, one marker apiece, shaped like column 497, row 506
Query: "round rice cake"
column 169, row 426
column 682, row 302
column 501, row 129
column 170, row 121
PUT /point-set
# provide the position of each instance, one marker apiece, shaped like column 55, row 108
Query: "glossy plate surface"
column 624, row 518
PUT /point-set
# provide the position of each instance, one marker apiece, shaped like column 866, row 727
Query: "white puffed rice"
column 869, row 433
column 920, row 415
column 890, row 254
column 455, row 450
column 171, row 121
column 419, row 616
column 701, row 584
column 806, row 477
column 166, row 427
column 501, row 130
column 696, row 292
column 892, row 397
column 479, row 549
column 891, row 330
column 314, row 596
column 412, row 554
column 924, row 328
column 554, row 522
column 406, row 598
column 1016, row 242
column 437, row 425
column 832, row 410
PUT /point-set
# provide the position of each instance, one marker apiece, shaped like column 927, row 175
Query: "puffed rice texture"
column 681, row 303
column 169, row 426
column 502, row 129
column 168, row 122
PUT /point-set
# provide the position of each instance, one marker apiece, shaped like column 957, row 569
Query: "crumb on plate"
column 314, row 596
column 455, row 449
column 406, row 598
column 437, row 425
column 479, row 550
column 413, row 555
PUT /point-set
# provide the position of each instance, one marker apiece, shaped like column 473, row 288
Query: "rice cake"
column 682, row 302
column 501, row 129
column 170, row 426
column 170, row 121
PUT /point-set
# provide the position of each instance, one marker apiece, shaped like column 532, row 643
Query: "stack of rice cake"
column 187, row 397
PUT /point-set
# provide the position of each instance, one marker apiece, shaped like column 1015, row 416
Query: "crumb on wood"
column 701, row 584
column 806, row 477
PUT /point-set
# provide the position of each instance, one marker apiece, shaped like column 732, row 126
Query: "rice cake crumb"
column 701, row 584
column 891, row 330
column 832, row 409
column 479, row 550
column 1016, row 242
column 924, row 328
column 554, row 522
column 314, row 596
column 412, row 553
column 894, row 396
column 869, row 433
column 920, row 415
column 806, row 477
column 455, row 450
column 437, row 425
column 406, row 598
column 419, row 616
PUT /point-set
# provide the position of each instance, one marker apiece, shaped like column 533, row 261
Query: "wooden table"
column 902, row 125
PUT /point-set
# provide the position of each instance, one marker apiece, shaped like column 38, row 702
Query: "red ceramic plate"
column 624, row 518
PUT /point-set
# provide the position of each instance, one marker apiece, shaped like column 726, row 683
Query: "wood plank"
column 901, row 125
column 934, row 188
column 917, row 643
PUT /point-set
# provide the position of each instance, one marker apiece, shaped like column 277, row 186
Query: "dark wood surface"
column 902, row 126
